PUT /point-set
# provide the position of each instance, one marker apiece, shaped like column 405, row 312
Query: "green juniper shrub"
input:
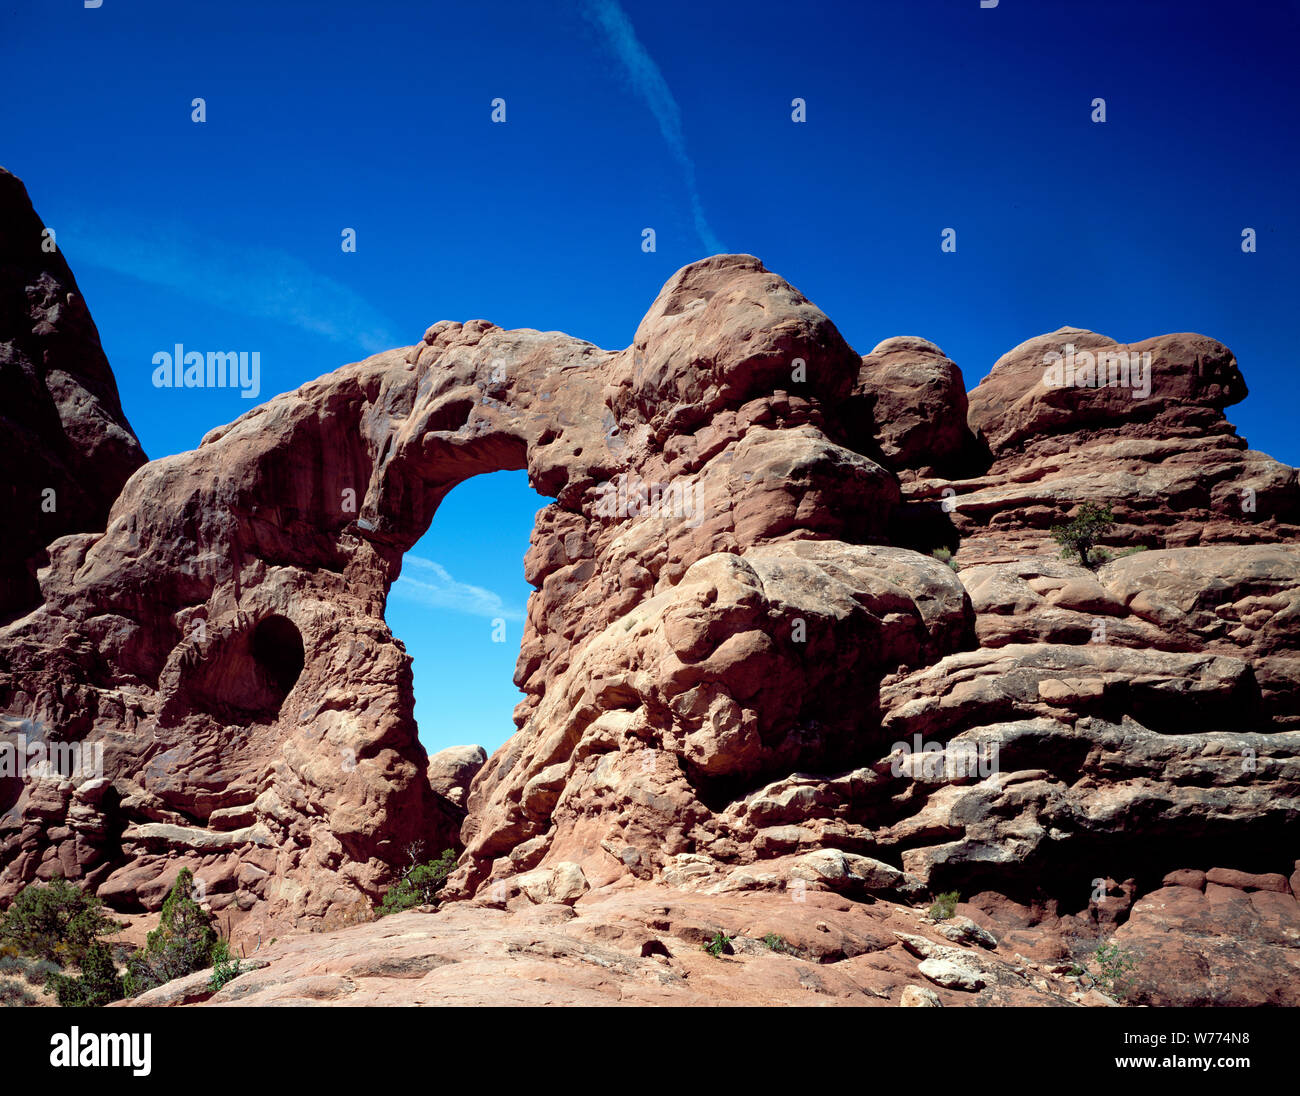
column 420, row 883
column 56, row 921
column 182, row 943
column 720, row 945
column 225, row 967
column 1079, row 536
column 945, row 905
column 97, row 985
column 944, row 555
column 775, row 943
column 1117, row 966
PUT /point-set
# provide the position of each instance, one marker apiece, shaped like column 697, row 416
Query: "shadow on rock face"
column 277, row 650
column 250, row 672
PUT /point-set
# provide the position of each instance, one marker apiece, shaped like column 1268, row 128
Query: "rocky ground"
column 752, row 676
column 647, row 944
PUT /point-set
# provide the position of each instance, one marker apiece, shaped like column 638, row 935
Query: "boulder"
column 452, row 770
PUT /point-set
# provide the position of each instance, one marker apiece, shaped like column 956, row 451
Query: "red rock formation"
column 733, row 639
column 68, row 449
column 1157, row 449
column 913, row 399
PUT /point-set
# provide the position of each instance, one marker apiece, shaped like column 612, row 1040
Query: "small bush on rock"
column 720, row 945
column 1117, row 966
column 1078, row 537
column 420, row 883
column 225, row 967
column 944, row 555
column 945, row 905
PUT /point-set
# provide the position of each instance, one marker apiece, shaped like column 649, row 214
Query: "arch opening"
column 458, row 608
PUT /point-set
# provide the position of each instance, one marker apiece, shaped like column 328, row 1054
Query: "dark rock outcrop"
column 68, row 448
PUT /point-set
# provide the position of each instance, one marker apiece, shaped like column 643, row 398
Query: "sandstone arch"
column 256, row 522
column 728, row 634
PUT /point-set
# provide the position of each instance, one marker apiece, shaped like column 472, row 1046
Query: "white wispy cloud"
column 429, row 583
column 246, row 278
column 650, row 85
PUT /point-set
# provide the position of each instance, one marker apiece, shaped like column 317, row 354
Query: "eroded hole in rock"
column 245, row 677
column 277, row 651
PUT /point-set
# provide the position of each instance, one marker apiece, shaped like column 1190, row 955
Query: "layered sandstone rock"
column 1160, row 452
column 68, row 448
column 223, row 640
column 1203, row 937
column 745, row 678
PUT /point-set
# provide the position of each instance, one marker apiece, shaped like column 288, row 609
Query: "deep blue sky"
column 326, row 115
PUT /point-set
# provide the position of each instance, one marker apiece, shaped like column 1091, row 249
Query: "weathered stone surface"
column 192, row 989
column 915, row 399
column 60, row 414
column 1225, row 946
column 641, row 945
column 752, row 698
column 920, row 997
column 962, row 930
column 1167, row 461
column 960, row 973
column 1191, row 379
